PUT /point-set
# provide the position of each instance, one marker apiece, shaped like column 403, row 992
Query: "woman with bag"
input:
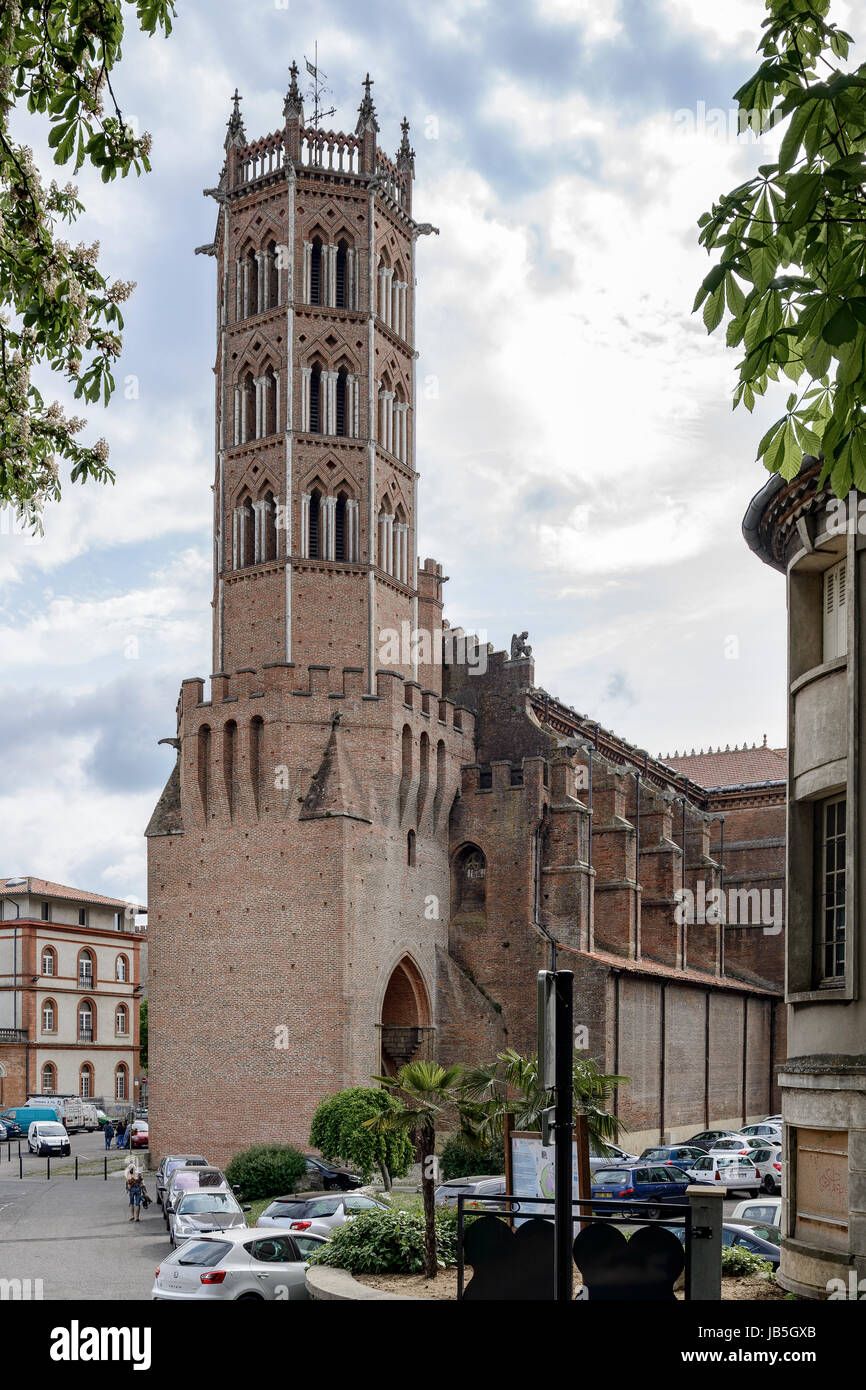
column 135, row 1190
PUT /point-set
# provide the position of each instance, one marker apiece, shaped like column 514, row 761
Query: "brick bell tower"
column 298, row 856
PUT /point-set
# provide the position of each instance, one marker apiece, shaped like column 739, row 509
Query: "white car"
column 739, row 1144
column 768, row 1162
column 766, row 1209
column 318, row 1213
column 47, row 1138
column 731, row 1169
column 613, row 1155
column 771, row 1133
column 195, row 1213
column 237, row 1264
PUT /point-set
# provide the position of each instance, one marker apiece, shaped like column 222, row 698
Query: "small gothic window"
column 269, row 528
column 342, row 283
column 470, row 880
column 316, row 400
column 410, row 848
column 316, row 272
column 340, row 551
column 315, row 527
column 342, row 392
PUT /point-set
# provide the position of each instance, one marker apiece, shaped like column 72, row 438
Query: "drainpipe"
column 682, row 932
column 637, row 779
column 722, row 894
column 536, row 919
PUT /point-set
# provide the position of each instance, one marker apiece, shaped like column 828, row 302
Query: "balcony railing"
column 13, row 1035
column 85, row 979
column 85, row 1035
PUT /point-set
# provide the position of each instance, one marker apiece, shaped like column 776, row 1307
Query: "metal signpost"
column 555, row 1006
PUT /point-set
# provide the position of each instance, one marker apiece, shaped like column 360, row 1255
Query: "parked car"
column 138, row 1135
column 744, row 1144
column 772, row 1120
column 733, row 1170
column 709, row 1137
column 194, row 1213
column 766, row 1209
column 318, row 1213
column 331, row 1177
column 191, row 1178
column 769, row 1132
column 48, row 1138
column 4, row 1133
column 101, row 1118
column 167, row 1167
column 677, row 1154
column 237, row 1264
column 70, row 1110
column 485, row 1186
column 11, row 1125
column 760, row 1237
column 613, row 1154
column 657, row 1184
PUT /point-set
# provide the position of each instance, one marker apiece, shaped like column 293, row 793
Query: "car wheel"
column 241, row 1296
column 654, row 1212
column 768, row 1185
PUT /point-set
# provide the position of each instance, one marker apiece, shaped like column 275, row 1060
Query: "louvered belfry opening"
column 316, row 272
column 340, row 528
column 315, row 526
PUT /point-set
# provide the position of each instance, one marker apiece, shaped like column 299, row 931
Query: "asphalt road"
column 75, row 1236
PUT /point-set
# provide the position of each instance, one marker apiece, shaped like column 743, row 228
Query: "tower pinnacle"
column 367, row 111
column 294, row 102
column 236, row 135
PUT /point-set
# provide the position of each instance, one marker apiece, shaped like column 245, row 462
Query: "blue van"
column 24, row 1115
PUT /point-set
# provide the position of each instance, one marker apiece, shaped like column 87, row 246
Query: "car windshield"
column 196, row 1203
column 204, row 1252
column 612, row 1177
column 654, row 1153
column 772, row 1234
column 50, row 1129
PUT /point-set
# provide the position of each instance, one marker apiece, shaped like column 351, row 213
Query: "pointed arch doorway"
column 406, row 1022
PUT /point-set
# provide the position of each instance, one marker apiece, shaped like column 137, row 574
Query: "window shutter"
column 835, row 612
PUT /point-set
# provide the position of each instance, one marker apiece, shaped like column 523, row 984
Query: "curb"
column 327, row 1284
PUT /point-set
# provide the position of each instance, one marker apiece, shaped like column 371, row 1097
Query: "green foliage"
column 388, row 1242
column 340, row 1130
column 510, row 1086
column 791, row 270
column 460, row 1159
column 266, row 1170
column 142, row 1035
column 56, row 307
column 737, row 1260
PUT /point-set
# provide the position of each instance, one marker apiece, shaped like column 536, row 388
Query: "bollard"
column 76, row 1167
column 20, row 1164
column 704, row 1241
column 48, row 1169
column 105, row 1166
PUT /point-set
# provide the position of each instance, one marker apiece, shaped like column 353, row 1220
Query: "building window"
column 49, row 1079
column 49, row 962
column 122, row 969
column 411, row 849
column 120, row 1083
column 82, row 917
column 85, row 1021
column 121, row 1020
column 46, row 912
column 49, row 1017
column 316, row 272
column 831, row 889
column 85, row 969
column 835, row 611
column 85, row 1082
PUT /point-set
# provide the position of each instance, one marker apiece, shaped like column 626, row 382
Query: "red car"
column 139, row 1137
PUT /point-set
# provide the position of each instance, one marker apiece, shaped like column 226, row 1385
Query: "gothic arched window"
column 248, row 408
column 269, row 528
column 313, row 547
column 248, row 534
column 342, row 401
column 251, row 286
column 270, row 422
column 340, row 537
column 342, row 287
column 273, row 273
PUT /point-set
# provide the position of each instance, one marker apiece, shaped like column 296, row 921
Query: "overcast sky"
column 582, row 474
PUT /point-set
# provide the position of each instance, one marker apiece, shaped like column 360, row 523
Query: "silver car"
column 771, row 1134
column 317, row 1213
column 237, row 1264
column 484, row 1186
column 613, row 1154
column 195, row 1213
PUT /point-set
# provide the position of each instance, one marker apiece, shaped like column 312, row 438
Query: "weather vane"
column 318, row 90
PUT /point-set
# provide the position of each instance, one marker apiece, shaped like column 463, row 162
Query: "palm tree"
column 428, row 1093
column 511, row 1086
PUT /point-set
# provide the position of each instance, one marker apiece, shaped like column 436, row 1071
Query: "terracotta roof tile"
column 42, row 887
column 732, row 767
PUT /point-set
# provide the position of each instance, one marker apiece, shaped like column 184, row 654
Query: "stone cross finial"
column 294, row 102
column 405, row 154
column 367, row 111
column 236, row 134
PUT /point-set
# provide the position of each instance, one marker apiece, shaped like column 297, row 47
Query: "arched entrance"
column 406, row 1017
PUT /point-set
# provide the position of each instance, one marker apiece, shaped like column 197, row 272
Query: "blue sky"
column 582, row 473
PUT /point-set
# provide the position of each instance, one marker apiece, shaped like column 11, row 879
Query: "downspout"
column 536, row 919
column 682, row 932
column 722, row 895
column 637, row 866
column 663, row 1051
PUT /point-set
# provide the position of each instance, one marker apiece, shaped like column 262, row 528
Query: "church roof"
column 731, row 767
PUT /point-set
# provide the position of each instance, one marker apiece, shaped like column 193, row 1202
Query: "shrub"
column 388, row 1242
column 736, row 1260
column 459, row 1160
column 339, row 1128
column 266, row 1170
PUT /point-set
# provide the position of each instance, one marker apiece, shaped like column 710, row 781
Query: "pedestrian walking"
column 108, row 1131
column 121, row 1135
column 135, row 1190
